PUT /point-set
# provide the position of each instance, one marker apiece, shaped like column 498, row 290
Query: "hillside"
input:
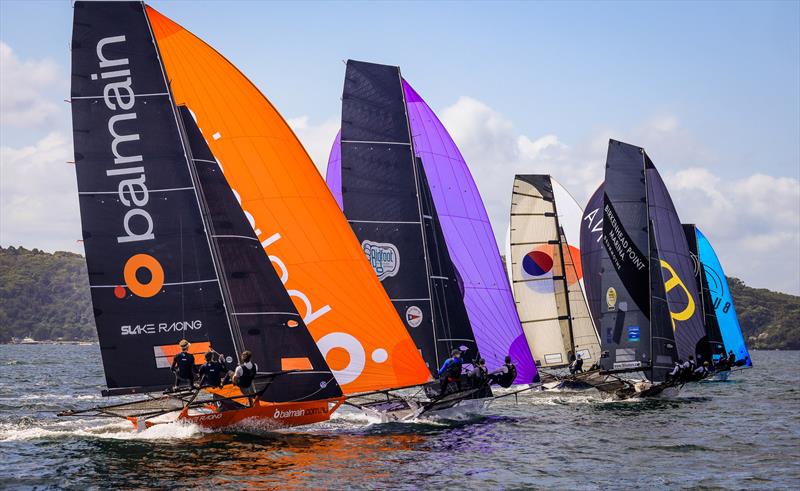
column 46, row 296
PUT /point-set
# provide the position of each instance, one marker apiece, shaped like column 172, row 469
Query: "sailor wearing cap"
column 183, row 366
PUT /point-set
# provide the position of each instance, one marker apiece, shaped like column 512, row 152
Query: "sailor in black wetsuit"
column 505, row 375
column 480, row 374
column 576, row 366
column 245, row 373
column 676, row 371
column 450, row 371
column 731, row 359
column 183, row 366
column 212, row 372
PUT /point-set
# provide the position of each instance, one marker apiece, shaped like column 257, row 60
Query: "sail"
column 584, row 334
column 386, row 200
column 151, row 271
column 710, row 347
column 261, row 312
column 625, row 257
column 676, row 263
column 537, row 267
column 333, row 174
column 294, row 216
column 469, row 237
column 591, row 248
column 722, row 300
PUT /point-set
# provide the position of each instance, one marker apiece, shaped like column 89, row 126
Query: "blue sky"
column 708, row 86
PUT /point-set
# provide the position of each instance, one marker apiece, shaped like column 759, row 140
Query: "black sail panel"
column 676, row 263
column 379, row 194
column 625, row 283
column 665, row 352
column 151, row 272
column 591, row 252
column 710, row 347
column 261, row 311
column 453, row 329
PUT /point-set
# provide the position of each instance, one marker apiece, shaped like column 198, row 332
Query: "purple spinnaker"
column 470, row 240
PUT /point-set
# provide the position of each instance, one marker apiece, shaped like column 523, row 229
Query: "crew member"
column 505, row 375
column 692, row 363
column 450, row 371
column 577, row 365
column 479, row 375
column 183, row 366
column 245, row 373
column 702, row 371
column 731, row 359
column 676, row 370
column 212, row 372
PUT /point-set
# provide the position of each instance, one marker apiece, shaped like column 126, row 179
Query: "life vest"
column 184, row 364
column 248, row 374
column 212, row 373
column 454, row 370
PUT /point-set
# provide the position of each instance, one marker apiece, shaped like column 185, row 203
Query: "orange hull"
column 267, row 414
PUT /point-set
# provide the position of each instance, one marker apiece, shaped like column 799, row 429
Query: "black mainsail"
column 386, row 199
column 158, row 272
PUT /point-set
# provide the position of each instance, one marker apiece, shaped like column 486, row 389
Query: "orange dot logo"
column 150, row 264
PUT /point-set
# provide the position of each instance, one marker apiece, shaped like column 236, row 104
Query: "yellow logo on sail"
column 671, row 283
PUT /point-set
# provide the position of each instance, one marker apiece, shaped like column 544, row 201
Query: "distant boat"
column 639, row 276
column 546, row 275
column 28, row 340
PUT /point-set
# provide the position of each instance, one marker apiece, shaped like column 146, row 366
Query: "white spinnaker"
column 535, row 270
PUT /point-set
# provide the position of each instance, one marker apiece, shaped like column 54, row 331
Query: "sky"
column 710, row 89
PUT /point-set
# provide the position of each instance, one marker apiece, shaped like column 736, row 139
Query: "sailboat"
column 545, row 271
column 172, row 244
column 386, row 197
column 467, row 233
column 718, row 305
column 637, row 261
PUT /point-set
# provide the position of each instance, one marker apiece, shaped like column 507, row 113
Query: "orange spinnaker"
column 293, row 213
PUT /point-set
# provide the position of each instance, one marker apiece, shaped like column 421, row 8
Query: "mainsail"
column 591, row 247
column 469, row 237
column 386, row 199
column 294, row 217
column 545, row 277
column 634, row 318
column 721, row 300
column 710, row 347
column 157, row 271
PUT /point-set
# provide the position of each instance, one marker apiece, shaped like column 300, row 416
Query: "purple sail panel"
column 470, row 241
column 333, row 176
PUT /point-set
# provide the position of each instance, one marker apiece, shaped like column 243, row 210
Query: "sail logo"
column 384, row 258
column 669, row 285
column 414, row 316
column 594, row 226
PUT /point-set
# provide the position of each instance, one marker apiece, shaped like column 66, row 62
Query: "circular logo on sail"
column 611, row 298
column 537, row 263
column 414, row 316
column 144, row 275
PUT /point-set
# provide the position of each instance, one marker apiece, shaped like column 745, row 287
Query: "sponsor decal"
column 384, row 258
column 627, row 364
column 160, row 327
column 675, row 281
column 634, row 334
column 289, row 413
column 611, row 298
column 414, row 316
column 537, row 263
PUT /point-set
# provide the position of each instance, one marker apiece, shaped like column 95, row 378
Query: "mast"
column 560, row 234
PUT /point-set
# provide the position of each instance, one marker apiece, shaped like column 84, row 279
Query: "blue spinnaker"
column 721, row 298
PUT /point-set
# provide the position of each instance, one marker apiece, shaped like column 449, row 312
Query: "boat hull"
column 266, row 415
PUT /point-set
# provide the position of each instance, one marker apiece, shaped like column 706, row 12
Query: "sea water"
column 744, row 433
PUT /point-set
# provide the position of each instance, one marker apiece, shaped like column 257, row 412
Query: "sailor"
column 245, row 373
column 212, row 371
column 183, row 366
column 450, row 371
column 692, row 363
column 701, row 372
column 480, row 374
column 731, row 359
column 676, row 370
column 505, row 375
column 577, row 365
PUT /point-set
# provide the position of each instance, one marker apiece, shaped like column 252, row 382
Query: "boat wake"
column 28, row 429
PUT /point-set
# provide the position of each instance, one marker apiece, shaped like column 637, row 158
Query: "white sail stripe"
column 374, row 142
column 540, row 320
column 165, row 284
column 235, row 237
column 205, row 160
column 266, row 313
column 165, row 190
column 380, row 221
column 410, row 299
column 103, row 97
column 440, row 277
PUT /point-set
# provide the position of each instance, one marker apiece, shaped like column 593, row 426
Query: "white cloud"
column 24, row 88
column 316, row 139
column 39, row 195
